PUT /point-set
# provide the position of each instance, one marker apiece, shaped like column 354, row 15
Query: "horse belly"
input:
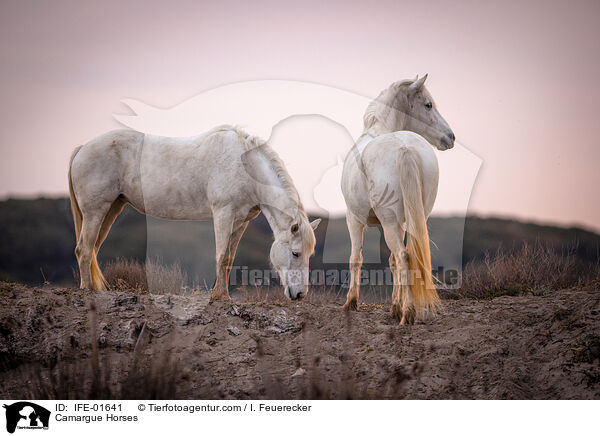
column 173, row 203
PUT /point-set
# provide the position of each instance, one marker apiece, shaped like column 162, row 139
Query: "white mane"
column 255, row 143
column 379, row 109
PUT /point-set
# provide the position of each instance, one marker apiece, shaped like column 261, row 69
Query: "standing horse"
column 390, row 177
column 225, row 175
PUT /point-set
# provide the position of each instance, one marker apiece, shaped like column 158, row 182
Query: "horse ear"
column 315, row 224
column 418, row 84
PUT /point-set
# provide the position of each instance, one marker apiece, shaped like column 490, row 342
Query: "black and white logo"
column 26, row 415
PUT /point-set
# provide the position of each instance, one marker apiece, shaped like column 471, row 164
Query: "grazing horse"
column 225, row 175
column 390, row 177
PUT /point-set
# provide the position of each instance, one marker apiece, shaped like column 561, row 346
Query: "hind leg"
column 115, row 209
column 403, row 307
column 85, row 246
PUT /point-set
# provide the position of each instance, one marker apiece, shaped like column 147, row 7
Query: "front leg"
column 223, row 223
column 356, row 229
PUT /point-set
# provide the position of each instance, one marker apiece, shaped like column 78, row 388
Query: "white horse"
column 390, row 177
column 225, row 175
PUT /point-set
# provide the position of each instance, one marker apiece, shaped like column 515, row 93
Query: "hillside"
column 173, row 347
column 37, row 242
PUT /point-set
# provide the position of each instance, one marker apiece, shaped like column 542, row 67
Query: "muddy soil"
column 529, row 347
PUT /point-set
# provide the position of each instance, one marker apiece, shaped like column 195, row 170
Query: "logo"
column 26, row 415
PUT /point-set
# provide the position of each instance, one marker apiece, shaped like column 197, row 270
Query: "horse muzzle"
column 293, row 295
column 446, row 142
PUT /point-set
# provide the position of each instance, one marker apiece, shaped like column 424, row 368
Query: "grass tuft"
column 153, row 277
column 533, row 269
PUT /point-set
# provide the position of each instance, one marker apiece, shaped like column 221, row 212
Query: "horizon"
column 316, row 214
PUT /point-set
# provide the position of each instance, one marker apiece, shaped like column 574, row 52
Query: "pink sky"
column 517, row 82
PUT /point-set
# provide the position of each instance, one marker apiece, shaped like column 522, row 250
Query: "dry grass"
column 531, row 269
column 534, row 269
column 153, row 276
column 165, row 279
column 125, row 274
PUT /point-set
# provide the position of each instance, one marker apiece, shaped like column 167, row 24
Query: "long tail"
column 98, row 280
column 423, row 290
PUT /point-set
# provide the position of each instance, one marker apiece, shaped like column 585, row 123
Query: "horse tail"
column 98, row 280
column 417, row 237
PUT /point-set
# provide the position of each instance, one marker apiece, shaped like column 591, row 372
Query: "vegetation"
column 37, row 245
column 152, row 276
column 536, row 269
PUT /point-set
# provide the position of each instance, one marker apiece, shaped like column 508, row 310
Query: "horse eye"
column 428, row 105
column 295, row 254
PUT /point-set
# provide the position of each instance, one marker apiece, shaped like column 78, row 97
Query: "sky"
column 516, row 81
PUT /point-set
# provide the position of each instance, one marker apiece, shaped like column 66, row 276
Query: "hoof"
column 408, row 316
column 351, row 305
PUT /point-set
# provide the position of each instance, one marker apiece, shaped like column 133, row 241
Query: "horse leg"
column 408, row 307
column 402, row 303
column 85, row 246
column 115, row 209
column 356, row 229
column 238, row 232
column 223, row 222
column 235, row 240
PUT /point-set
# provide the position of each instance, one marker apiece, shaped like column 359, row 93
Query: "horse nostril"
column 452, row 137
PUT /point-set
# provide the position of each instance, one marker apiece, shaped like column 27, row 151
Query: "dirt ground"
column 529, row 347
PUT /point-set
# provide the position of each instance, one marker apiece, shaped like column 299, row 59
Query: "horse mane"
column 379, row 109
column 252, row 142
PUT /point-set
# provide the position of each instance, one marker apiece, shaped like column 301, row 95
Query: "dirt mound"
column 544, row 346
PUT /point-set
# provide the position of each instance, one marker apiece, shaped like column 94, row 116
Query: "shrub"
column 124, row 274
column 165, row 279
column 531, row 268
column 153, row 276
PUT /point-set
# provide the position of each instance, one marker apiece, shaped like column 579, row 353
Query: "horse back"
column 381, row 171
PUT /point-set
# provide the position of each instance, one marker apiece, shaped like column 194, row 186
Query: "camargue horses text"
column 390, row 177
column 225, row 175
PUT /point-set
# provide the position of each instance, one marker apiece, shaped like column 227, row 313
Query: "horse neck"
column 381, row 128
column 389, row 120
column 279, row 207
